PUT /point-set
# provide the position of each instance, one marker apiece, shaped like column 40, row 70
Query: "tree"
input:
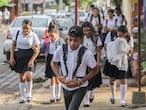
column 117, row 3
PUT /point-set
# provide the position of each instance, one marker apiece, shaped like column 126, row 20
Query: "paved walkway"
column 101, row 101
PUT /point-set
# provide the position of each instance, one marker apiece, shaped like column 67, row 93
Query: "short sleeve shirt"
column 26, row 42
column 110, row 23
column 88, row 60
column 88, row 43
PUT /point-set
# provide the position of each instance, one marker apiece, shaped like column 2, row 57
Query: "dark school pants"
column 74, row 98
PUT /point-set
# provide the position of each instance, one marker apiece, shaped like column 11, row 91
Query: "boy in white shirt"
column 74, row 79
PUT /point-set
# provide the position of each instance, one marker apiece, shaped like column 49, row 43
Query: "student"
column 96, row 20
column 92, row 42
column 120, row 17
column 117, row 52
column 53, row 42
column 89, row 13
column 28, row 46
column 110, row 24
column 73, row 77
column 6, row 15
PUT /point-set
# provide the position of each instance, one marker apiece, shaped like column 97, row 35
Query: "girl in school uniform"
column 121, row 20
column 96, row 20
column 110, row 24
column 49, row 47
column 74, row 81
column 93, row 43
column 28, row 46
column 117, row 52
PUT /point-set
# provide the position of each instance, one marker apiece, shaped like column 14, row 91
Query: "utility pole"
column 76, row 12
column 13, row 10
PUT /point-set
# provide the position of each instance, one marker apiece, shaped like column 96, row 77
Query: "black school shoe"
column 22, row 101
column 58, row 100
column 86, row 105
column 28, row 99
column 124, row 105
column 52, row 100
column 112, row 101
column 91, row 99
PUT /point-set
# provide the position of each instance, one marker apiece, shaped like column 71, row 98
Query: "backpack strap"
column 79, row 59
column 116, row 20
column 65, row 53
column 106, row 22
column 17, row 36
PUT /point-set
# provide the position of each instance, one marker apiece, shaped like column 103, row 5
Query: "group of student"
column 75, row 65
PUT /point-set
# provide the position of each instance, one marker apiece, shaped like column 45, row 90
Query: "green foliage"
column 117, row 3
column 143, row 64
column 4, row 2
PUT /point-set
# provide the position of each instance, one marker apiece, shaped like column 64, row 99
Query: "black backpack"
column 79, row 59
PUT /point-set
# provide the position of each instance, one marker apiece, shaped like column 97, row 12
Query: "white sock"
column 58, row 90
column 113, row 91
column 52, row 92
column 22, row 88
column 91, row 94
column 29, row 89
column 87, row 96
column 123, row 89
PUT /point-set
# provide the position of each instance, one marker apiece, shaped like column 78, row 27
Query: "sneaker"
column 112, row 101
column 28, row 99
column 22, row 101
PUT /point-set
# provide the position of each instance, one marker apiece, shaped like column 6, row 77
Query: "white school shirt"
column 110, row 23
column 120, row 20
column 120, row 54
column 88, row 43
column 26, row 42
column 6, row 14
column 52, row 46
column 88, row 60
column 94, row 22
column 108, row 38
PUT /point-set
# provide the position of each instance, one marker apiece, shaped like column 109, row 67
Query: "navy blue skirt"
column 48, row 70
column 22, row 59
column 96, row 81
column 113, row 71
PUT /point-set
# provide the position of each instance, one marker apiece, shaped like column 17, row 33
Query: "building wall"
column 128, row 7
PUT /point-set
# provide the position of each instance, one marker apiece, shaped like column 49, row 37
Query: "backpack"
column 113, row 35
column 79, row 59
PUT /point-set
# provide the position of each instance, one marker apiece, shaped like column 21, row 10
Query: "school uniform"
column 119, row 57
column 96, row 81
column 25, row 45
column 109, row 70
column 75, row 94
column 94, row 21
column 50, row 48
column 6, row 15
column 109, row 23
column 120, row 19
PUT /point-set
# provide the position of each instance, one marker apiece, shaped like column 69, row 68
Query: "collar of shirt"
column 70, row 50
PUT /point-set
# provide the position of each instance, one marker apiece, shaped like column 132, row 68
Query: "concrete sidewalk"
column 101, row 101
